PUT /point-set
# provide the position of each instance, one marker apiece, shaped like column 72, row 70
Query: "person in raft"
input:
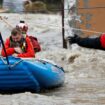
column 96, row 43
column 24, row 29
column 18, row 46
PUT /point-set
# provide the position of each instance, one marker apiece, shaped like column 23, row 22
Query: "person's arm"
column 29, row 50
column 9, row 50
column 86, row 42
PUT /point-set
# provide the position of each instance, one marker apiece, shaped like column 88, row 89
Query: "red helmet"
column 22, row 26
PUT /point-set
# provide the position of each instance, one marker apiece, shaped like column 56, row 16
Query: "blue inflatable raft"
column 29, row 75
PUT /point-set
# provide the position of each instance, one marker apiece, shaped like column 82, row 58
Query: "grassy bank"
column 54, row 7
column 43, row 7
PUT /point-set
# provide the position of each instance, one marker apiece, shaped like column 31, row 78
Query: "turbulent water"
column 84, row 68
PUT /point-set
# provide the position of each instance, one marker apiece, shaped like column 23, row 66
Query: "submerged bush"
column 37, row 6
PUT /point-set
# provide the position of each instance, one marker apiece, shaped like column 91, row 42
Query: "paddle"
column 2, row 42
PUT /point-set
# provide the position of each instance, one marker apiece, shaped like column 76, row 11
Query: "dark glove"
column 72, row 39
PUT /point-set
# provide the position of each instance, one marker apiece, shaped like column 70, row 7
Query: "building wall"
column 92, row 16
